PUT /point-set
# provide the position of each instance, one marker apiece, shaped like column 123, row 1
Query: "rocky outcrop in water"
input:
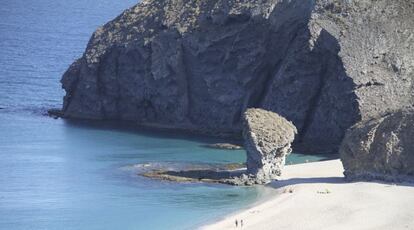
column 323, row 64
column 381, row 148
column 207, row 174
column 267, row 139
column 226, row 146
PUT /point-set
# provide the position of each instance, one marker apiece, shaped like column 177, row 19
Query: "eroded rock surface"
column 191, row 64
column 381, row 148
column 267, row 139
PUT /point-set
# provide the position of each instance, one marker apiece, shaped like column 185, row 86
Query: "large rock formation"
column 267, row 139
column 381, row 148
column 323, row 64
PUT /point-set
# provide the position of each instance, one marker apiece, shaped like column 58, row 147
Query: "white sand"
column 349, row 206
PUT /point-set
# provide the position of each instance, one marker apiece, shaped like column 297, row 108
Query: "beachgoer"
column 241, row 223
column 237, row 223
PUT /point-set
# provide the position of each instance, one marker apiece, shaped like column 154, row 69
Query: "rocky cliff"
column 380, row 148
column 193, row 64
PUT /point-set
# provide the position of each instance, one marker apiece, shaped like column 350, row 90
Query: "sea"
column 79, row 175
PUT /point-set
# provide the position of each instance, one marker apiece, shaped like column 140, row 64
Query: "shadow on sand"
column 331, row 180
column 314, row 180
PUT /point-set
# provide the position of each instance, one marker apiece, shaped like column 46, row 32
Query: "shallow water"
column 56, row 174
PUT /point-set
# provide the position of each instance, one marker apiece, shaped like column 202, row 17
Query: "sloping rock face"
column 267, row 139
column 381, row 148
column 199, row 65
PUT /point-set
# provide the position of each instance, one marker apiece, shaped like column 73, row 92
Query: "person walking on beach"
column 237, row 223
column 241, row 223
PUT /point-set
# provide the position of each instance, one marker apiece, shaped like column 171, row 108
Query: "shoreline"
column 223, row 135
column 264, row 196
column 233, row 134
column 316, row 196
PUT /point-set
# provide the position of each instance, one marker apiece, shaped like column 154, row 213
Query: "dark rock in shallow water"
column 323, row 64
column 381, row 148
column 204, row 174
column 210, row 176
column 267, row 139
column 55, row 113
column 226, row 146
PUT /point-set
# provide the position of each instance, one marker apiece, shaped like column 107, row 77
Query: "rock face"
column 381, row 148
column 267, row 139
column 323, row 64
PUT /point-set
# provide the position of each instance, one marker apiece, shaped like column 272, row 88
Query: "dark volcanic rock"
column 55, row 113
column 227, row 146
column 209, row 176
column 323, row 64
column 217, row 174
column 381, row 148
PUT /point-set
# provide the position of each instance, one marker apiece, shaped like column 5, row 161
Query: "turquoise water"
column 56, row 174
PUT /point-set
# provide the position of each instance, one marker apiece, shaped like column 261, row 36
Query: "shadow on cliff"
column 333, row 106
column 304, row 79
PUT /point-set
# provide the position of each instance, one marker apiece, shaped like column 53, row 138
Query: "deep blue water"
column 56, row 174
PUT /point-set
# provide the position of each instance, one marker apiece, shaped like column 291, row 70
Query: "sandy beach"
column 316, row 196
